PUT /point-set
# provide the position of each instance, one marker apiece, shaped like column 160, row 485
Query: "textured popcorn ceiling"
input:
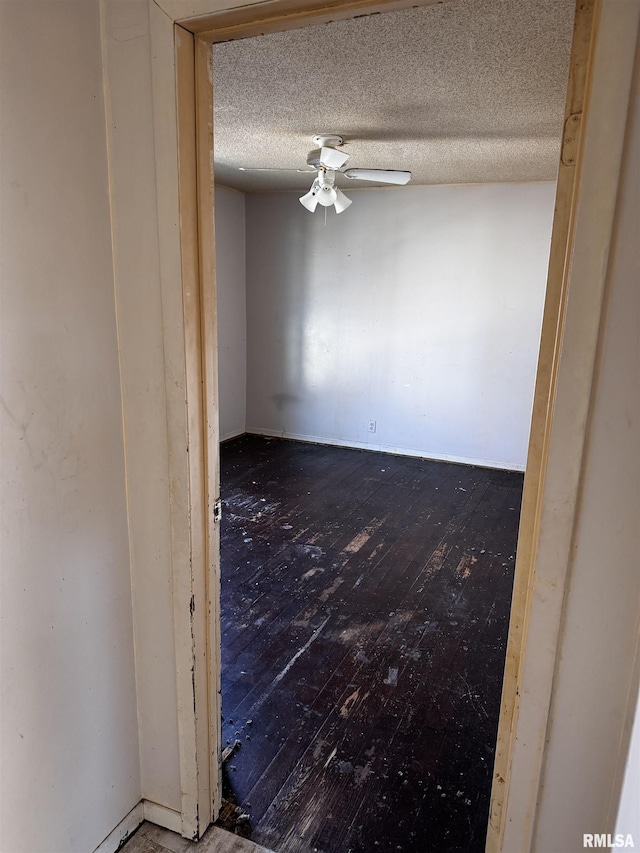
column 465, row 91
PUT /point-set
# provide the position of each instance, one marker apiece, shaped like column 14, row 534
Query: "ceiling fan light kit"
column 324, row 192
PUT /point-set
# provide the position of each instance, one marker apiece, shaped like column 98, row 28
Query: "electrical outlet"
column 372, row 426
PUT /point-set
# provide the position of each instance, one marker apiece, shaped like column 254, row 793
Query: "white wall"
column 595, row 690
column 419, row 308
column 70, row 762
column 232, row 310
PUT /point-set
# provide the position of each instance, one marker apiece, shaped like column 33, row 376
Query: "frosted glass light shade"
column 342, row 202
column 310, row 200
column 327, row 195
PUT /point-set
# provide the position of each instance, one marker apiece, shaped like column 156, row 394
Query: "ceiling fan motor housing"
column 314, row 158
column 327, row 157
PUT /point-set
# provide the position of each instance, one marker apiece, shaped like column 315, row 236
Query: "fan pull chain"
column 325, row 217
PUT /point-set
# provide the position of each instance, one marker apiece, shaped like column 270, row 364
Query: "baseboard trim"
column 144, row 810
column 229, row 435
column 123, row 830
column 383, row 448
column 162, row 816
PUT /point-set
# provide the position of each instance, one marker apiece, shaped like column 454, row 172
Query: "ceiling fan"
column 327, row 161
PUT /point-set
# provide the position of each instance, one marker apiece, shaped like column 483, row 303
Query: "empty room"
column 384, row 204
column 377, row 354
column 365, row 614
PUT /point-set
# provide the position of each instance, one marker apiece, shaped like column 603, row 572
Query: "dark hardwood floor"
column 365, row 607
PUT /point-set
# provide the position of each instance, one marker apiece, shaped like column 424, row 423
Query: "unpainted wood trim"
column 191, row 597
column 174, row 256
column 174, row 101
column 537, row 457
column 278, row 15
column 209, row 352
column 605, row 122
column 579, row 270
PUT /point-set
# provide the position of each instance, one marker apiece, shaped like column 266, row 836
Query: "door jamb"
column 584, row 34
column 200, row 789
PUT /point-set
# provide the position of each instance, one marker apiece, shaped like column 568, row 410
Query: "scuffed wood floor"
column 154, row 839
column 365, row 606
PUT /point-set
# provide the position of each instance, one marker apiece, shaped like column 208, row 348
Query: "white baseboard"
column 233, row 434
column 383, row 448
column 162, row 816
column 145, row 810
column 123, row 830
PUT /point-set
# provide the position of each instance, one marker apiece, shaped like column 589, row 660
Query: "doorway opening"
column 192, row 39
column 312, row 729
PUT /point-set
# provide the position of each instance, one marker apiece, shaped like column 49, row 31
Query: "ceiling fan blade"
column 380, row 176
column 332, row 159
column 342, row 202
column 310, row 200
column 274, row 169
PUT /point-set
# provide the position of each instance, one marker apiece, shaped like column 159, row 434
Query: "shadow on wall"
column 280, row 255
column 418, row 308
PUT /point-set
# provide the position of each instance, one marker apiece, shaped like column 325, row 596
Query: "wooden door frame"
column 183, row 118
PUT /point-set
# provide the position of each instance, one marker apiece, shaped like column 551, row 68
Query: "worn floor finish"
column 154, row 839
column 365, row 605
